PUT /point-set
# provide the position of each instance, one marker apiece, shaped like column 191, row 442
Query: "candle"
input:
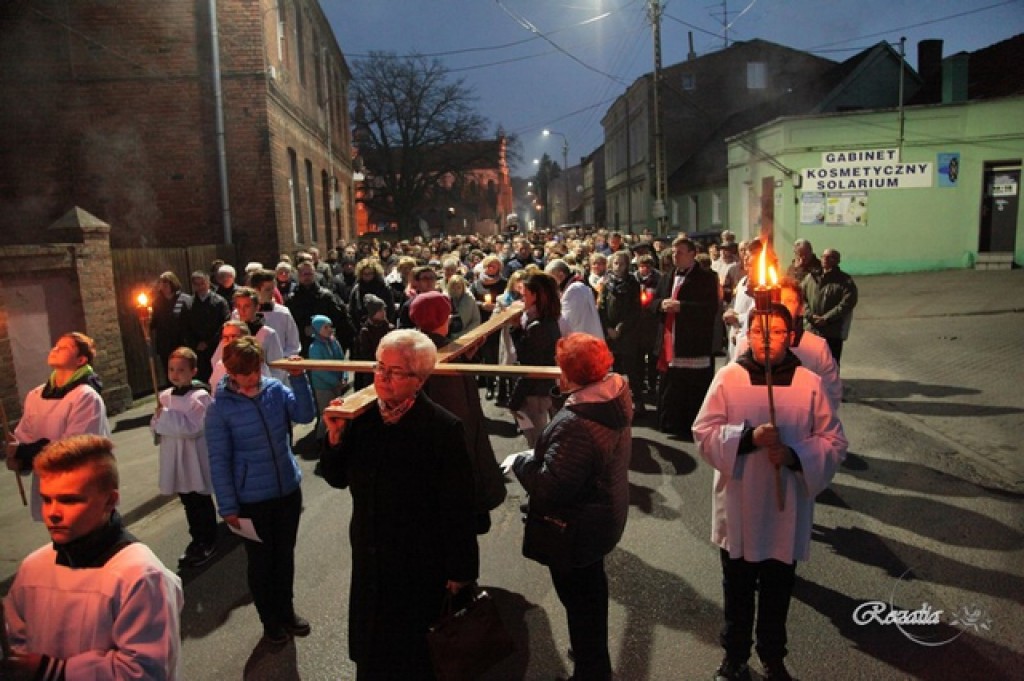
column 143, row 300
column 488, row 298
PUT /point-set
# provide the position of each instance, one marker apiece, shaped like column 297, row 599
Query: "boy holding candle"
column 747, row 444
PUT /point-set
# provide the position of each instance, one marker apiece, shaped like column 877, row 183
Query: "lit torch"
column 145, row 312
column 765, row 293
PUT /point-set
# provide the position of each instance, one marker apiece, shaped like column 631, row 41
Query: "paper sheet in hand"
column 245, row 529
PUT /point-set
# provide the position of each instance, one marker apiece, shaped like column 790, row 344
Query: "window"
column 310, row 204
column 689, row 81
column 325, row 182
column 716, row 208
column 300, row 48
column 757, row 75
column 318, row 74
column 293, row 190
column 691, row 212
column 280, row 31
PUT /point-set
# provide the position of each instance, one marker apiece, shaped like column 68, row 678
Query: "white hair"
column 419, row 353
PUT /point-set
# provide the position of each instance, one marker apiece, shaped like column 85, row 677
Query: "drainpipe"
column 218, row 100
column 903, row 67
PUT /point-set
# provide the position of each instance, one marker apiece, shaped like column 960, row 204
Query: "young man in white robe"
column 757, row 463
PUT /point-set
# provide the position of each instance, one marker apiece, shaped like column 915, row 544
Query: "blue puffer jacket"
column 250, row 459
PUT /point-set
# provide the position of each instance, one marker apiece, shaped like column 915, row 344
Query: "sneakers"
column 299, row 626
column 775, row 670
column 732, row 670
column 197, row 555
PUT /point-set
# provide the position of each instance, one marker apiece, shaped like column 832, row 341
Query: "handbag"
column 548, row 540
column 467, row 642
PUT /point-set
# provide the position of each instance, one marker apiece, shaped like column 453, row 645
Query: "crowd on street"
column 634, row 322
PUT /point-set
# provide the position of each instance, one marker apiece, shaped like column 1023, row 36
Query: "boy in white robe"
column 759, row 543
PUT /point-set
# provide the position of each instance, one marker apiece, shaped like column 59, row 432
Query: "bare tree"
column 415, row 128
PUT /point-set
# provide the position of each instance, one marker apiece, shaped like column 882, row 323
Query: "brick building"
column 120, row 108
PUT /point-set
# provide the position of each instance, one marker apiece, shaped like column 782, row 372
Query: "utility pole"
column 660, row 181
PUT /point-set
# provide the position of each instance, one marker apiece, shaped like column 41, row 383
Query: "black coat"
column 376, row 286
column 695, row 322
column 460, row 395
column 535, row 346
column 169, row 324
column 309, row 301
column 411, row 528
column 579, row 469
column 619, row 304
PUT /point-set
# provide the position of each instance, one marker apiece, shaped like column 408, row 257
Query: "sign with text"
column 866, row 169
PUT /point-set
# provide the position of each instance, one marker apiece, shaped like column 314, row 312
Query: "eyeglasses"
column 391, row 373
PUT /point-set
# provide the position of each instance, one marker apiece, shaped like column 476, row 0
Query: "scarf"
column 96, row 548
column 782, row 372
column 392, row 415
column 84, row 374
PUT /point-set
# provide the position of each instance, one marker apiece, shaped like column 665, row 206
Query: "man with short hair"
column 687, row 297
column 804, row 261
column 276, row 316
column 206, row 316
column 521, row 259
column 247, row 312
column 579, row 309
column 96, row 603
column 831, row 296
column 311, row 299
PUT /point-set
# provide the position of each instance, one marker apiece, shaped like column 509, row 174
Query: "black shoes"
column 275, row 636
column 732, row 670
column 775, row 670
column 279, row 635
column 299, row 626
column 197, row 555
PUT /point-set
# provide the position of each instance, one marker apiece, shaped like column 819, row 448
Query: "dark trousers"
column 584, row 593
column 680, row 394
column 836, row 346
column 772, row 581
column 201, row 517
column 272, row 562
column 627, row 363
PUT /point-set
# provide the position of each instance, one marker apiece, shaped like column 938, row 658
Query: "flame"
column 762, row 279
column 646, row 296
column 773, row 276
column 142, row 299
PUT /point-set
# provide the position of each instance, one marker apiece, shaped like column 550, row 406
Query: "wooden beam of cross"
column 358, row 402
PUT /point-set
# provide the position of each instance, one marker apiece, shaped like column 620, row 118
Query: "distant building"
column 697, row 96
column 932, row 186
column 593, row 205
column 474, row 199
column 117, row 108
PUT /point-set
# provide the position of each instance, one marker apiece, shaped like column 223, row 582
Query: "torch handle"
column 780, row 497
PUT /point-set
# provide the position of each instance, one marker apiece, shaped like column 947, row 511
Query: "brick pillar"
column 94, row 271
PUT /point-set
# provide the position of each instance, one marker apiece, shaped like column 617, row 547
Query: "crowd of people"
column 631, row 321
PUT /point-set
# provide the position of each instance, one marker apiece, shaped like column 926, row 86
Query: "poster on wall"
column 949, row 169
column 846, row 208
column 834, row 208
column 812, row 208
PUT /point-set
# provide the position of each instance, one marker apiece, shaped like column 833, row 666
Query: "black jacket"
column 412, row 523
column 308, row 301
column 580, row 466
column 695, row 322
column 535, row 346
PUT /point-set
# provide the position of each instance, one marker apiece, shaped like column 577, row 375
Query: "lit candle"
column 143, row 300
column 763, row 291
column 488, row 298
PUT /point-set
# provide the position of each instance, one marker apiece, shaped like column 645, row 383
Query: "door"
column 999, row 207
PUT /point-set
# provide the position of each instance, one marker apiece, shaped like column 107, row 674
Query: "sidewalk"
column 883, row 298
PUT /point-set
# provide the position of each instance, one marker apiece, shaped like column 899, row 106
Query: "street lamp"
column 565, row 166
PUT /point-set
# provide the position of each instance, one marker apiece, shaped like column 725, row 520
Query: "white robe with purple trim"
column 746, row 521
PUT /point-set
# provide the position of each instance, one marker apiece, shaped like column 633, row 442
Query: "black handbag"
column 548, row 540
column 467, row 642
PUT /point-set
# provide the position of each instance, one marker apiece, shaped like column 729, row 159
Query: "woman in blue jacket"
column 255, row 476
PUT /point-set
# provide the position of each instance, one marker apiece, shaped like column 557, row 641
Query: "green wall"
column 908, row 229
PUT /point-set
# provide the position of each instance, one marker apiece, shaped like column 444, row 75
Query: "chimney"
column 691, row 55
column 929, row 61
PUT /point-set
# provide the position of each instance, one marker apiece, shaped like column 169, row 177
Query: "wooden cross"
column 358, row 402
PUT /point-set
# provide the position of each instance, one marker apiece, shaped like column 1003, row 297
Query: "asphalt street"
column 925, row 513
